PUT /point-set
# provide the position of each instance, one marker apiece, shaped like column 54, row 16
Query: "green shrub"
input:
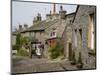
column 56, row 51
column 22, row 52
column 53, row 53
column 24, row 40
column 14, row 47
column 18, row 47
column 18, row 42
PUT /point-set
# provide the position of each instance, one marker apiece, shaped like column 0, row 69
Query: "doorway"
column 70, row 51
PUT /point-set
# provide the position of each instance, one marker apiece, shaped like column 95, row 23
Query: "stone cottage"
column 76, row 31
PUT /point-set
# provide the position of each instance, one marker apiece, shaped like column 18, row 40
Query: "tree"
column 24, row 40
column 18, row 42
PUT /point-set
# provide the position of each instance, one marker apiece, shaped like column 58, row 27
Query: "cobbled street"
column 26, row 65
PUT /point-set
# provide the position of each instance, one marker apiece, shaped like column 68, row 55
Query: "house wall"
column 26, row 34
column 82, row 22
column 67, row 35
column 57, row 27
column 13, row 40
column 67, row 38
column 77, row 33
column 39, row 36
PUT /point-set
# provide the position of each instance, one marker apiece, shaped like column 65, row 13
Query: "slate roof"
column 41, row 25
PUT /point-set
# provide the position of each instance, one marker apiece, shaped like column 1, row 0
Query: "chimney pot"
column 54, row 8
column 25, row 26
column 61, row 7
column 50, row 12
column 20, row 27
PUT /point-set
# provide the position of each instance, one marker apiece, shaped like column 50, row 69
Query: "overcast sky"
column 24, row 12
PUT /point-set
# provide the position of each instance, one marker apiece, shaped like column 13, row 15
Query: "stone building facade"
column 76, row 31
column 80, row 35
column 85, row 31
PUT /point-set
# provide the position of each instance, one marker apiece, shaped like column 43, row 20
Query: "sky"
column 24, row 12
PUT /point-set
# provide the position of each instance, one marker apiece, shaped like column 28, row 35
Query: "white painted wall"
column 92, row 34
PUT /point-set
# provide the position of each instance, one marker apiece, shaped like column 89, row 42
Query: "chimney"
column 62, row 13
column 20, row 27
column 25, row 26
column 50, row 12
column 39, row 17
column 34, row 20
column 54, row 8
column 61, row 8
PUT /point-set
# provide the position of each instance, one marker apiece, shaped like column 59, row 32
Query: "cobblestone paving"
column 26, row 65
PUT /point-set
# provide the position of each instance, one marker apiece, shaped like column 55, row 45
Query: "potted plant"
column 79, row 64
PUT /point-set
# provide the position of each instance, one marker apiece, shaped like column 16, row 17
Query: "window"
column 80, row 31
column 53, row 34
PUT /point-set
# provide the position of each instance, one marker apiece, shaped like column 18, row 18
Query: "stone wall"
column 67, row 35
column 13, row 40
column 81, row 22
column 78, row 27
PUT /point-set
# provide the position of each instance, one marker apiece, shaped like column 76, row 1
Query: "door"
column 38, row 51
column 70, row 51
